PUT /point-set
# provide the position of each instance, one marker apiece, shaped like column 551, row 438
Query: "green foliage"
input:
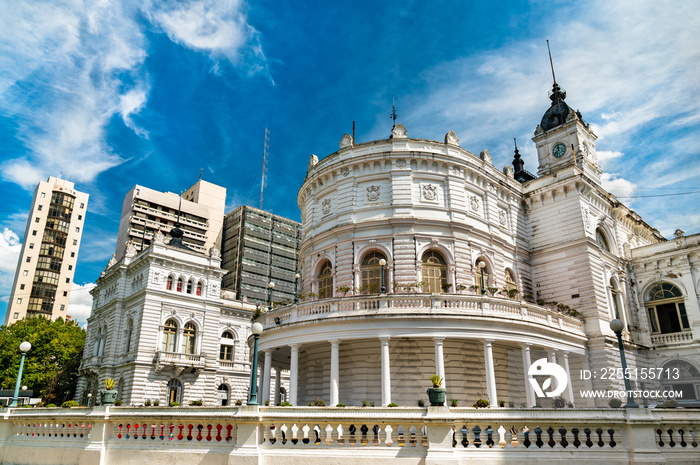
column 317, row 402
column 27, row 406
column 109, row 384
column 559, row 402
column 393, row 405
column 445, row 287
column 51, row 366
column 239, row 402
column 365, row 403
column 51, row 405
column 615, row 403
column 343, row 290
column 454, row 402
column 371, row 404
column 436, row 380
column 117, row 402
column 283, row 404
column 511, row 404
column 461, row 287
column 481, row 403
column 147, row 403
column 69, row 404
column 198, row 403
column 156, row 403
column 501, row 403
column 259, row 311
column 174, row 404
column 340, row 405
column 421, row 403
column 668, row 404
column 267, row 403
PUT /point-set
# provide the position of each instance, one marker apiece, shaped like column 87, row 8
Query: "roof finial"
column 176, row 233
column 393, row 112
column 515, row 141
column 551, row 63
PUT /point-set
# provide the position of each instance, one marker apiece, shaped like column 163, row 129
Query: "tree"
column 51, row 366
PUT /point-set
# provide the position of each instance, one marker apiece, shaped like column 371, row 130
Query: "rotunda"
column 414, row 261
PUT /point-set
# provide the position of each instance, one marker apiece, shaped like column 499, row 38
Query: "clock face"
column 585, row 149
column 559, row 150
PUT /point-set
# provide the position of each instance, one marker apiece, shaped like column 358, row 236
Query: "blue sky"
column 116, row 93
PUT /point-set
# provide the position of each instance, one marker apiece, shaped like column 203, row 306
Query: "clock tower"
column 564, row 139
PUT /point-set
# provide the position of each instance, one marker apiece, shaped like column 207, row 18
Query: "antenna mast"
column 551, row 64
column 266, row 148
column 393, row 112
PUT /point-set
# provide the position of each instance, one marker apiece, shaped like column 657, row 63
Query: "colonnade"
column 385, row 360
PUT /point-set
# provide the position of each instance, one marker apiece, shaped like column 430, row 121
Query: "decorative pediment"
column 451, row 138
column 399, row 132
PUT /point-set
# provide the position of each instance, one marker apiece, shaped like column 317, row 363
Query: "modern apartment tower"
column 49, row 254
column 146, row 211
column 258, row 248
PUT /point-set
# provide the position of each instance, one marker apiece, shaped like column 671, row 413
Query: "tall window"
column 129, row 332
column 188, row 338
column 174, row 391
column 371, row 273
column 602, row 240
column 434, row 271
column 615, row 300
column 511, row 286
column 169, row 285
column 666, row 309
column 223, row 394
column 189, row 286
column 179, row 285
column 478, row 274
column 199, row 288
column 98, row 343
column 169, row 336
column 227, row 347
column 325, row 280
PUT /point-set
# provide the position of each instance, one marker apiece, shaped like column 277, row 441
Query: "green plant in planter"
column 481, row 403
column 117, row 402
column 615, row 403
column 156, row 403
column 421, row 403
column 454, row 402
column 147, row 403
column 501, row 403
column 393, row 405
column 436, row 380
column 174, row 404
column 340, row 405
column 445, row 287
column 559, row 402
column 69, row 404
column 283, row 404
column 108, row 396
column 109, row 384
column 343, row 290
column 239, row 402
column 436, row 395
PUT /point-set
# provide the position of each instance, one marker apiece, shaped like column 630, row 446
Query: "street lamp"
column 23, row 348
column 296, row 288
column 482, row 265
column 617, row 326
column 89, row 398
column 256, row 329
column 382, row 263
column 270, row 287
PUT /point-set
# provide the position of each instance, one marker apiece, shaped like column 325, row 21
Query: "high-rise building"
column 146, row 211
column 49, row 252
column 258, row 248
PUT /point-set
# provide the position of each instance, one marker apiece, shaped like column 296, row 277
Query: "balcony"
column 419, row 306
column 178, row 361
column 671, row 339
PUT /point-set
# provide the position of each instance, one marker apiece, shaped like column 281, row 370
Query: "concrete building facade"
column 146, row 211
column 47, row 262
column 258, row 248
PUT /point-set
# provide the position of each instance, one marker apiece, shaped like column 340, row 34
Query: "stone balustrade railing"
column 282, row 435
column 454, row 304
column 673, row 338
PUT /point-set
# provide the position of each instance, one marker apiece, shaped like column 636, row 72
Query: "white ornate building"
column 555, row 251
column 165, row 331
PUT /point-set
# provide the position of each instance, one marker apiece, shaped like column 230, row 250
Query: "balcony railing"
column 279, row 435
column 179, row 359
column 415, row 304
column 671, row 338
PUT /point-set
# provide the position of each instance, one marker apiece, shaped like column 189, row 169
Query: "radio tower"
column 266, row 147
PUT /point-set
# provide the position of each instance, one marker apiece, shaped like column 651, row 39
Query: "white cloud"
column 10, row 248
column 80, row 304
column 606, row 155
column 617, row 186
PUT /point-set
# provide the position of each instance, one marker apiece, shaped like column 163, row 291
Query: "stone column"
column 293, row 374
column 266, row 377
column 386, row 373
column 552, row 358
column 569, row 388
column 335, row 371
column 490, row 373
column 278, row 383
column 529, row 392
column 440, row 360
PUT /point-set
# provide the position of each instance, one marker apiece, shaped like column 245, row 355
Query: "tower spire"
column 393, row 112
column 551, row 63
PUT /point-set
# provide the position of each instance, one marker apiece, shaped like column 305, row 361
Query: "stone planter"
column 108, row 397
column 436, row 397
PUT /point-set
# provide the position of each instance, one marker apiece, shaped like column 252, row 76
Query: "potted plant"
column 109, row 395
column 436, row 395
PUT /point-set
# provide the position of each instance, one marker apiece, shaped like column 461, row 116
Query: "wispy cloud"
column 66, row 69
column 80, row 304
column 10, row 248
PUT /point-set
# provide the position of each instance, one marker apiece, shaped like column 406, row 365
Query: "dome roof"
column 558, row 112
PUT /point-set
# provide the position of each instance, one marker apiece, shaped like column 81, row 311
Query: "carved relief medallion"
column 373, row 193
column 326, row 206
column 429, row 192
column 401, row 163
column 345, row 171
column 474, row 203
column 502, row 218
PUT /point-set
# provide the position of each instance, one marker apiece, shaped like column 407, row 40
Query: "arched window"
column 129, row 332
column 325, row 280
column 680, row 375
column 510, row 282
column 602, row 240
column 179, row 285
column 169, row 285
column 98, row 342
column 169, row 336
column 666, row 309
column 174, row 391
column 479, row 274
column 222, row 394
column 434, row 272
column 190, row 283
column 371, row 273
column 228, row 344
column 188, row 338
column 199, row 288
